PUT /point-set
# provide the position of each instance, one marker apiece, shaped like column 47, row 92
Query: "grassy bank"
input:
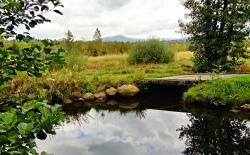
column 231, row 92
column 89, row 74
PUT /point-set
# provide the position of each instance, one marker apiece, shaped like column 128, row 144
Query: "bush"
column 151, row 51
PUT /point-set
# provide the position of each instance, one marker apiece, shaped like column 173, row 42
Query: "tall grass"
column 92, row 48
column 180, row 47
column 75, row 60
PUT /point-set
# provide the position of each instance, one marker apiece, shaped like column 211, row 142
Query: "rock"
column 81, row 100
column 128, row 90
column 129, row 106
column 112, row 102
column 246, row 107
column 235, row 110
column 101, row 97
column 100, row 88
column 111, row 91
column 88, row 96
column 67, row 101
column 77, row 94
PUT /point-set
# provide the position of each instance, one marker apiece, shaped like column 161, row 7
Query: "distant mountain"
column 122, row 38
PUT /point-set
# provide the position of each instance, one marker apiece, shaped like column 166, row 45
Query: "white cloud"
column 134, row 18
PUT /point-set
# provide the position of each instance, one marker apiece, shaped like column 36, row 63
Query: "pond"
column 146, row 126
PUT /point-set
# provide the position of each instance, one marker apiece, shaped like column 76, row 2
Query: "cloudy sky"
column 133, row 18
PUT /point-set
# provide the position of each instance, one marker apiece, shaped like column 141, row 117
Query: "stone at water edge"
column 235, row 110
column 81, row 100
column 101, row 97
column 67, row 101
column 88, row 96
column 111, row 91
column 100, row 88
column 77, row 94
column 128, row 90
column 246, row 107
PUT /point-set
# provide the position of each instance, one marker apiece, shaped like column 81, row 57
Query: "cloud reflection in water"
column 116, row 134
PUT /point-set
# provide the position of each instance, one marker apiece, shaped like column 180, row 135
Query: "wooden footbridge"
column 189, row 80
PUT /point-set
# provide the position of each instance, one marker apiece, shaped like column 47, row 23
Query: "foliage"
column 230, row 92
column 21, row 123
column 69, row 38
column 151, row 51
column 27, row 13
column 248, row 43
column 33, row 60
column 97, row 35
column 218, row 29
column 22, row 120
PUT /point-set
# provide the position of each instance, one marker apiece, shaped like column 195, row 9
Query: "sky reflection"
column 110, row 133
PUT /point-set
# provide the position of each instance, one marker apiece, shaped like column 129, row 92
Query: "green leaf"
column 2, row 128
column 44, row 8
column 25, row 128
column 58, row 12
column 12, row 138
column 2, row 30
column 30, row 105
column 9, row 117
column 20, row 37
column 2, row 4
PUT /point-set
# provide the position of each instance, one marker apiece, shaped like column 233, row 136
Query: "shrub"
column 151, row 51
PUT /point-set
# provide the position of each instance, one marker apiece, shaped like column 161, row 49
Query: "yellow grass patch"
column 183, row 55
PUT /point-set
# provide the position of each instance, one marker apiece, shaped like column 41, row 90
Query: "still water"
column 139, row 128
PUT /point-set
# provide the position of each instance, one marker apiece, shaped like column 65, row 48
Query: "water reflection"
column 110, row 133
column 143, row 130
column 214, row 134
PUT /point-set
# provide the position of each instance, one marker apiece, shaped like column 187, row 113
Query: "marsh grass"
column 86, row 74
column 75, row 60
column 91, row 48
